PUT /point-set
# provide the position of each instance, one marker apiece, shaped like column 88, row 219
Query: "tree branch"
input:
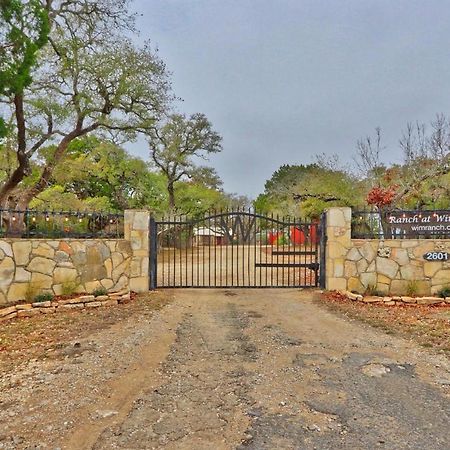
column 324, row 197
column 44, row 137
column 44, row 179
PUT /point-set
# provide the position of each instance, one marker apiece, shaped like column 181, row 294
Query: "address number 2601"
column 436, row 256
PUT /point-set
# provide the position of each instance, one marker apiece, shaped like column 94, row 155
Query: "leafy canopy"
column 24, row 30
column 307, row 190
column 87, row 77
column 177, row 143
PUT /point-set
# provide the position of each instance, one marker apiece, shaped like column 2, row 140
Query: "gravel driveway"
column 238, row 369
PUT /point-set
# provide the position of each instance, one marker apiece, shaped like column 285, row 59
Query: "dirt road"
column 238, row 369
column 236, row 265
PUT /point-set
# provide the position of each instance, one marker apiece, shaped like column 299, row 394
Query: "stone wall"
column 392, row 267
column 52, row 306
column 31, row 266
column 395, row 300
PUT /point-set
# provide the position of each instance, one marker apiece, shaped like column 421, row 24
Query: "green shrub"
column 44, row 297
column 262, row 238
column 282, row 240
column 32, row 291
column 69, row 287
column 99, row 291
column 412, row 288
column 444, row 292
column 372, row 290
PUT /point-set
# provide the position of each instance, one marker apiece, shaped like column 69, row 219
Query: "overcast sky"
column 283, row 80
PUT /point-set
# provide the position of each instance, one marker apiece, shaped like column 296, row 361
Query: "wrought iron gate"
column 236, row 249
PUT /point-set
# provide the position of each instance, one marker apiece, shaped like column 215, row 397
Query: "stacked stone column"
column 339, row 228
column 137, row 233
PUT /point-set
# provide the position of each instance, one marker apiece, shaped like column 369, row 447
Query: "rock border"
column 51, row 307
column 397, row 300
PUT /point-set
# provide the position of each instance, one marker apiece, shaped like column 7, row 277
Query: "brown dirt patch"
column 41, row 337
column 427, row 325
column 256, row 370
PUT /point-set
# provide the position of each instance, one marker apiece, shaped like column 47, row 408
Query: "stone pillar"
column 137, row 233
column 339, row 228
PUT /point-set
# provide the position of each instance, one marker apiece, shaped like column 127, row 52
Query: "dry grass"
column 427, row 325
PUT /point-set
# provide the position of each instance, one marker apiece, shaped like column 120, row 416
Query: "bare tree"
column 368, row 155
column 331, row 162
column 426, row 156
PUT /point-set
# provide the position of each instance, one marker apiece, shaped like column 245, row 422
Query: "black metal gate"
column 236, row 249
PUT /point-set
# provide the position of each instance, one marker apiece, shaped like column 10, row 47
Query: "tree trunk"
column 44, row 181
column 171, row 191
column 385, row 225
column 15, row 224
column 23, row 160
column 12, row 182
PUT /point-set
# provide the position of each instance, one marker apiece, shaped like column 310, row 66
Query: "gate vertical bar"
column 323, row 246
column 153, row 245
column 224, row 236
column 180, row 248
column 266, row 259
column 187, row 247
column 174, row 246
column 254, row 252
column 243, row 249
column 294, row 256
column 163, row 258
column 303, row 258
column 193, row 243
column 315, row 245
column 309, row 249
column 271, row 250
column 211, row 232
column 168, row 239
column 226, row 250
column 232, row 253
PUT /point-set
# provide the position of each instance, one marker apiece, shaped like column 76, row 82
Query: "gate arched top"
column 222, row 214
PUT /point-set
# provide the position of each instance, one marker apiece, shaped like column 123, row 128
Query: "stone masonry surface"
column 392, row 267
column 32, row 266
column 397, row 299
column 50, row 307
column 137, row 233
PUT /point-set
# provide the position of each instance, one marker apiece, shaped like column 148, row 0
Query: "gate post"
column 137, row 233
column 323, row 251
column 153, row 253
column 338, row 230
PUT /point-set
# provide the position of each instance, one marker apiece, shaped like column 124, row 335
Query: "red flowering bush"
column 380, row 197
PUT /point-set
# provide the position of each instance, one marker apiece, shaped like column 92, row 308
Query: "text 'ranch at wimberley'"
column 422, row 217
column 427, row 221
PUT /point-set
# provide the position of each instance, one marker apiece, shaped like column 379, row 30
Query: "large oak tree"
column 175, row 145
column 88, row 78
column 307, row 190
